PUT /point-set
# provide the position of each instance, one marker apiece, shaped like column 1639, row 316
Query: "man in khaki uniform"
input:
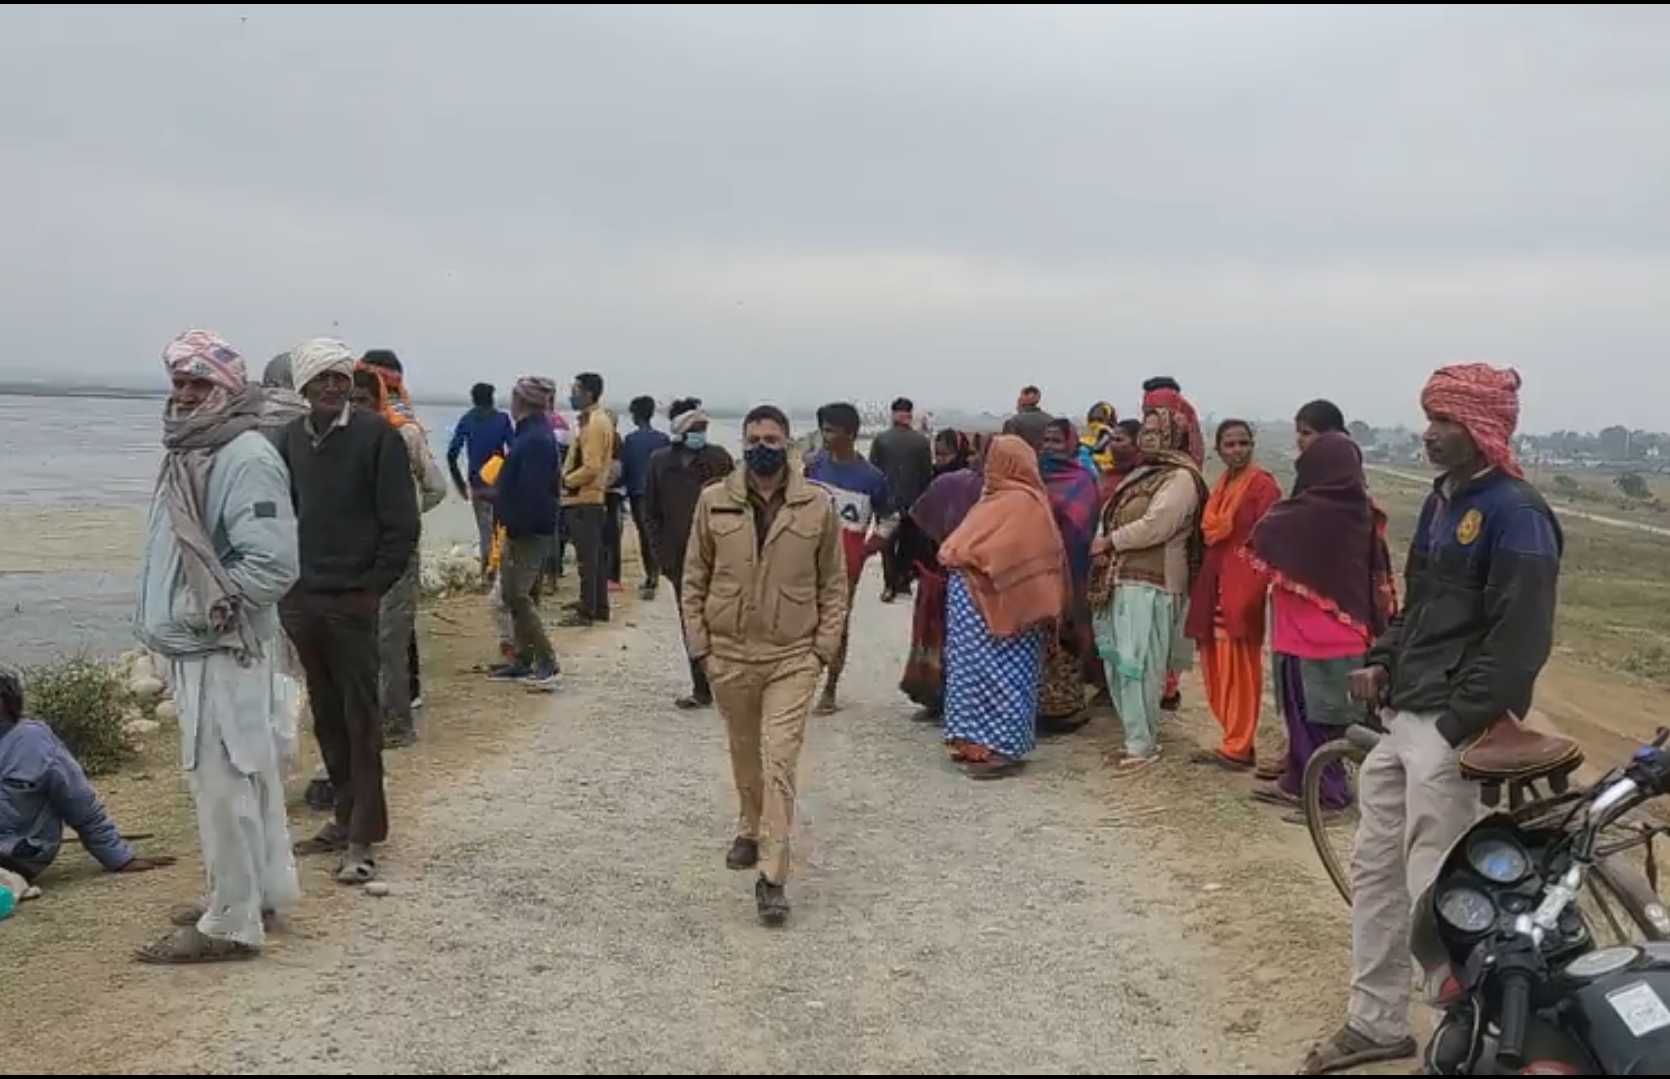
column 764, row 603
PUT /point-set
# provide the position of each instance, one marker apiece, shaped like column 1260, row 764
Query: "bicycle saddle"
column 1509, row 752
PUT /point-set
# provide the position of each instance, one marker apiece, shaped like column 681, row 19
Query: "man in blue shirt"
column 487, row 431
column 527, row 507
column 1454, row 672
column 42, row 789
column 635, row 452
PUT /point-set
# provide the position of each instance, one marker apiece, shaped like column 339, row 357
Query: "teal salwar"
column 1134, row 636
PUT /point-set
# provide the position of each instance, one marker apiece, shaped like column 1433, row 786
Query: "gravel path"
column 562, row 906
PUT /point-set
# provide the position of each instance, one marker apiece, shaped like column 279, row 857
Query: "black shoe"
column 1171, row 703
column 399, row 737
column 772, row 902
column 744, row 853
column 321, row 796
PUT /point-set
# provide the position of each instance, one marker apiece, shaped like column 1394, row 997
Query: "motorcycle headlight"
column 1604, row 962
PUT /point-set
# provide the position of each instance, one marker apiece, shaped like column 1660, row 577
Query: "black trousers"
column 895, row 571
column 699, row 687
column 613, row 506
column 584, row 525
column 646, row 553
column 336, row 640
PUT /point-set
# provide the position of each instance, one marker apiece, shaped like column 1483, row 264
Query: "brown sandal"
column 1219, row 759
column 993, row 768
column 331, row 840
column 187, row 947
column 1130, row 766
column 1349, row 1049
column 187, row 915
column 1275, row 796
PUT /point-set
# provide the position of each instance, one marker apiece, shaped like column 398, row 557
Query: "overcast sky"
column 1270, row 202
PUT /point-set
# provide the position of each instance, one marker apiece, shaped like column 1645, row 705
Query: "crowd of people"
column 1053, row 570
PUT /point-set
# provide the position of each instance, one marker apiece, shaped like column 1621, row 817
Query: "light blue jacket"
column 250, row 519
column 42, row 788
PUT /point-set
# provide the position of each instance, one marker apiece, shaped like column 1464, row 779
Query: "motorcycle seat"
column 1509, row 752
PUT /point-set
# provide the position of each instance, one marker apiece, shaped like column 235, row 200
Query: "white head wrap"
column 686, row 420
column 310, row 359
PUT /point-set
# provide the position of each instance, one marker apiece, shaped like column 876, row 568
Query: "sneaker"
column 544, row 680
column 509, row 672
column 646, row 591
column 417, row 702
column 399, row 737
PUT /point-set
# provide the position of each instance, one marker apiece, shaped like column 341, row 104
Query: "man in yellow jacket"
column 585, row 484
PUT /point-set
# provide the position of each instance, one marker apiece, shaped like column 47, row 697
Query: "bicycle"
column 1535, row 794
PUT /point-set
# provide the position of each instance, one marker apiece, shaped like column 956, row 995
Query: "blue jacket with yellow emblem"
column 1477, row 622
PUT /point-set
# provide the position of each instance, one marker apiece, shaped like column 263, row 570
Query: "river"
column 80, row 472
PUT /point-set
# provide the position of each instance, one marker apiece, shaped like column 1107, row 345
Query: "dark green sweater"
column 356, row 506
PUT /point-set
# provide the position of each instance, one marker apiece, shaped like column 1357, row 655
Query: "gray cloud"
column 1270, row 201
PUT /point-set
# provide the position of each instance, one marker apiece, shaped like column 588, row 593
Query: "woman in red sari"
column 1226, row 608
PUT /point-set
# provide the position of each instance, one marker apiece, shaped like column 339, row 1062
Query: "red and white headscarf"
column 1484, row 400
column 206, row 355
column 1174, row 402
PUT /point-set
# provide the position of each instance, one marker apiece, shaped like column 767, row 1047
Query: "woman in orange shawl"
column 1226, row 606
column 1007, row 588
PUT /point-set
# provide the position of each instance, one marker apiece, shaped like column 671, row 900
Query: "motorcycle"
column 1511, row 962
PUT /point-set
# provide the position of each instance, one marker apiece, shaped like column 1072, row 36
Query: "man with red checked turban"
column 1453, row 673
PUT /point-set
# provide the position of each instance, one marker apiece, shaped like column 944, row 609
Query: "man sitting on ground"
column 42, row 789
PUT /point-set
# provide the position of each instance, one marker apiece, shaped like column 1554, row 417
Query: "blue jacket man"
column 525, row 497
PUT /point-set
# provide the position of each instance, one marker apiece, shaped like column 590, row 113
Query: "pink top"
column 1300, row 628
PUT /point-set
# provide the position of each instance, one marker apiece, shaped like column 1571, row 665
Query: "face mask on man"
column 765, row 460
column 695, row 439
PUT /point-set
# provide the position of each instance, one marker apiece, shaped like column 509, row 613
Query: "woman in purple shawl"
column 952, row 492
column 1075, row 496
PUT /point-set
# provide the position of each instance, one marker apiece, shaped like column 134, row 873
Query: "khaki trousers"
column 1413, row 806
column 765, row 706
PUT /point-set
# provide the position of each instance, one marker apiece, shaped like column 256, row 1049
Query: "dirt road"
column 1415, row 479
column 559, row 904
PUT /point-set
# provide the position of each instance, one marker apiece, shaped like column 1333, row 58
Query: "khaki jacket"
column 585, row 477
column 751, row 605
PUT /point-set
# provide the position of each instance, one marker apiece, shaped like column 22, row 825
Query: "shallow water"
column 79, row 476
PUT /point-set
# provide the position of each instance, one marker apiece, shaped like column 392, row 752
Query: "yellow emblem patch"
column 1468, row 530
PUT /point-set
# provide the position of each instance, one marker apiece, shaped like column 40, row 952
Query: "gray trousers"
column 1413, row 806
column 519, row 572
column 396, row 622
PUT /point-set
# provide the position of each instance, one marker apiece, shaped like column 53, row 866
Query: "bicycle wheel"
column 1332, row 830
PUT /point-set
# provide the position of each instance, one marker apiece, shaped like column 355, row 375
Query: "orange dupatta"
column 1008, row 547
column 1226, row 595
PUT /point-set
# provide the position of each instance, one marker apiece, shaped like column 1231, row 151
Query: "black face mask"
column 765, row 460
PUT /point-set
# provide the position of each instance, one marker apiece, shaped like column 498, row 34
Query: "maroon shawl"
column 1327, row 539
column 945, row 503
